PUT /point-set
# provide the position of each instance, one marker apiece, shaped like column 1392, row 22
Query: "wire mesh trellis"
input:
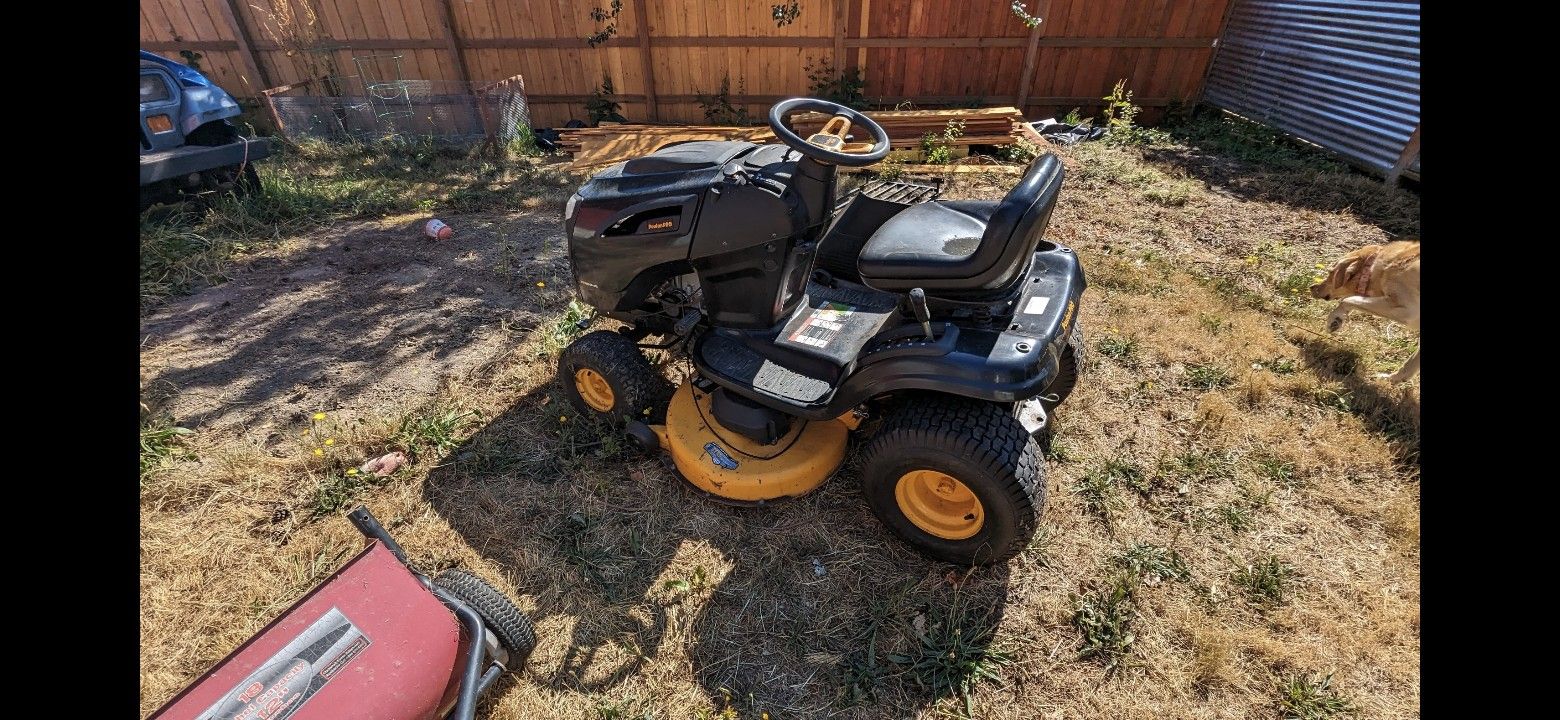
column 378, row 102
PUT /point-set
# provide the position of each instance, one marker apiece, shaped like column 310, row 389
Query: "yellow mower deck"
column 728, row 465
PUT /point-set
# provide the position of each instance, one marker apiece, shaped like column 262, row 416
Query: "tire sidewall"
column 998, row 532
column 634, row 381
column 568, row 365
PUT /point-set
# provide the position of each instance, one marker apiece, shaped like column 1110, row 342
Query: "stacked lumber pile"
column 600, row 146
column 982, row 126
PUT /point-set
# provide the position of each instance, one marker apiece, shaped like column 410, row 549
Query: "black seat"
column 964, row 247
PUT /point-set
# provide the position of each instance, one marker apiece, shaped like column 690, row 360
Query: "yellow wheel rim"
column 594, row 389
column 939, row 504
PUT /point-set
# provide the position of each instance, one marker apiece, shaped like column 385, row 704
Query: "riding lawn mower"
column 944, row 332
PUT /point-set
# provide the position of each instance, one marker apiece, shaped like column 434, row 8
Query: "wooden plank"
column 936, row 42
column 172, row 46
column 1410, row 151
column 258, row 78
column 1224, row 21
column 646, row 58
column 453, row 42
column 841, row 7
column 864, row 11
column 699, row 42
column 951, row 169
column 1026, row 76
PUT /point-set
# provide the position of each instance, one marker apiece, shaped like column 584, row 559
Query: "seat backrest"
column 1018, row 222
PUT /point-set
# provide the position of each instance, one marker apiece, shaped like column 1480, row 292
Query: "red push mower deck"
column 376, row 641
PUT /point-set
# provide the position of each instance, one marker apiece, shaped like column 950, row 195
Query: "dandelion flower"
column 319, row 452
column 1319, row 266
column 563, row 418
column 351, row 471
column 330, row 441
column 541, row 284
column 319, row 416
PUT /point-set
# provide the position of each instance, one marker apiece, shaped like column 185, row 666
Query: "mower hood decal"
column 719, row 456
column 287, row 680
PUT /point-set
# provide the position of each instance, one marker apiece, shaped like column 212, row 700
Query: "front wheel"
column 956, row 479
column 606, row 377
column 509, row 624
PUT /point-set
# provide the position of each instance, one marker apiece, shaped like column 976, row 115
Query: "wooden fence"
column 665, row 52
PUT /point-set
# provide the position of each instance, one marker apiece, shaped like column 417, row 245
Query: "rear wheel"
column 509, row 625
column 956, row 479
column 1068, row 365
column 606, row 377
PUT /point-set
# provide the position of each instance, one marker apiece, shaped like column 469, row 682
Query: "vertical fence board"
column 926, row 52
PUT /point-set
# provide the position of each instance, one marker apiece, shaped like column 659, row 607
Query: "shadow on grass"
column 1391, row 412
column 356, row 317
column 1235, row 157
column 802, row 608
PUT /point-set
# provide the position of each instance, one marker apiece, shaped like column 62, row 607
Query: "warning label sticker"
column 823, row 325
column 295, row 673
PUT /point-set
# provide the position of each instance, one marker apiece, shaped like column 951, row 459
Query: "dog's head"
column 1340, row 282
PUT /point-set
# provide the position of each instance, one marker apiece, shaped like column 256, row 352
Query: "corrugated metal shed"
column 1343, row 74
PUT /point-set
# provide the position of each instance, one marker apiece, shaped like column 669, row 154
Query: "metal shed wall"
column 1343, row 74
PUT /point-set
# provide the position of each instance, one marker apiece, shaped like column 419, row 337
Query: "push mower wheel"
column 508, row 623
column 956, row 479
column 1067, row 367
column 606, row 377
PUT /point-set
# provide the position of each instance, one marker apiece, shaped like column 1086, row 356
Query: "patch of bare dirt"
column 360, row 318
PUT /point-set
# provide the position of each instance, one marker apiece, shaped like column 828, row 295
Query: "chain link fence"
column 362, row 107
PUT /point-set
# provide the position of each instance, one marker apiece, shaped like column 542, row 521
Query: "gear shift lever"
column 922, row 314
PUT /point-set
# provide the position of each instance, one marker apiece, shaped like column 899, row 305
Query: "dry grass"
column 1234, row 432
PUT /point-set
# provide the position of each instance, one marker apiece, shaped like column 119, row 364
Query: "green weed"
column 1265, row 582
column 1208, row 377
column 1236, row 516
column 561, row 332
column 1193, row 464
column 1120, row 348
column 938, row 147
column 1212, row 323
column 336, row 491
column 433, row 432
column 1121, row 119
column 1097, row 490
column 717, row 106
column 161, row 443
column 601, row 106
column 1104, row 619
column 847, row 89
column 627, row 709
column 955, row 654
column 1302, row 697
column 1296, row 286
column 1275, row 468
column 1228, row 136
column 1152, row 564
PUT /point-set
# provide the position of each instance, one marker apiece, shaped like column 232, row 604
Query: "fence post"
column 258, row 79
column 1031, row 55
column 840, row 21
column 452, row 39
column 646, row 63
column 1410, row 151
column 1202, row 85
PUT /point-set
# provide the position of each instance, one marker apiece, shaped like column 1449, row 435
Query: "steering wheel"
column 828, row 145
